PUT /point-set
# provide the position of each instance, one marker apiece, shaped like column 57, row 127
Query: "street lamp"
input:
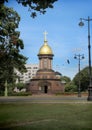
column 89, row 57
column 79, row 57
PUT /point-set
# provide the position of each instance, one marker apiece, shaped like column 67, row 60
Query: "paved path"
column 44, row 99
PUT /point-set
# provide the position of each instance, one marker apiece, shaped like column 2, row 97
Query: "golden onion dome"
column 45, row 48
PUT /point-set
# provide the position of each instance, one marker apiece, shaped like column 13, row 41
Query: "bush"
column 1, row 93
column 20, row 85
column 20, row 94
column 70, row 87
column 66, row 93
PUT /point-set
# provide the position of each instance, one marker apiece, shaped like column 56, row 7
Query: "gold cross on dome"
column 45, row 34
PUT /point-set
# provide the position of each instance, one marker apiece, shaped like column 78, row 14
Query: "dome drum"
column 50, row 56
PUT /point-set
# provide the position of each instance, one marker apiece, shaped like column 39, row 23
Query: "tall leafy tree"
column 35, row 6
column 10, row 45
column 84, row 79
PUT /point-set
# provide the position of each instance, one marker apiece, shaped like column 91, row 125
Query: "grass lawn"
column 28, row 116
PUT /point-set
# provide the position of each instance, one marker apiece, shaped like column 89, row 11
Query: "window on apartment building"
column 35, row 67
column 29, row 68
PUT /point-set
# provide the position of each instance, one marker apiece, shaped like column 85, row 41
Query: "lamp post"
column 79, row 57
column 89, row 57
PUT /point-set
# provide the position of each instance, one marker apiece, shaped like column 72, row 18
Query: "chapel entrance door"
column 45, row 89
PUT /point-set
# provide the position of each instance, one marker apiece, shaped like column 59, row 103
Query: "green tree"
column 35, row 6
column 10, row 45
column 84, row 79
column 20, row 86
column 66, row 79
column 70, row 87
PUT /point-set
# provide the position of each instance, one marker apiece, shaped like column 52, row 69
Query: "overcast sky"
column 65, row 37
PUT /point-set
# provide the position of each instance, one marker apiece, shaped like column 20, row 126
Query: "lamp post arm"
column 88, row 19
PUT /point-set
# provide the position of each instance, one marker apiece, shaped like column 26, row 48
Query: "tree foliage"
column 10, row 44
column 20, row 86
column 66, row 79
column 84, row 79
column 35, row 5
column 70, row 87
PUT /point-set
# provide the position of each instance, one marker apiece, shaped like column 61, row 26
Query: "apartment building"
column 31, row 72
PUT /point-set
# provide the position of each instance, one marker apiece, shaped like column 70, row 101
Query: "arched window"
column 45, row 63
